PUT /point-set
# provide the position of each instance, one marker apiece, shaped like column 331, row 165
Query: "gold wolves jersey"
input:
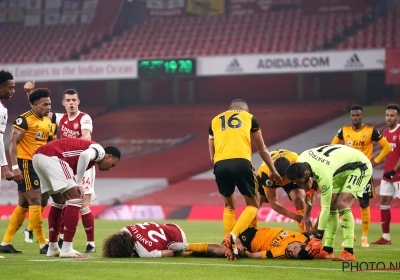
column 37, row 133
column 231, row 133
column 263, row 170
column 361, row 139
column 274, row 241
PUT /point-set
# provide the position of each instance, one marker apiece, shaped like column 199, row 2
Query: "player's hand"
column 306, row 222
column 17, row 176
column 309, row 198
column 314, row 246
column 81, row 192
column 29, row 87
column 389, row 175
column 8, row 175
column 276, row 177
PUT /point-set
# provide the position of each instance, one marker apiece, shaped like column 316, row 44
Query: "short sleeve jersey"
column 393, row 137
column 72, row 128
column 37, row 132
column 152, row 238
column 231, row 132
column 274, row 241
column 362, row 139
column 69, row 149
column 3, row 118
column 263, row 171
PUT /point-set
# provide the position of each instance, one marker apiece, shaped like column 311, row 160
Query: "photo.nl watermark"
column 364, row 266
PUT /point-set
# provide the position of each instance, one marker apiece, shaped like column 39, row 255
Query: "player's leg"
column 246, row 182
column 388, row 190
column 226, row 187
column 28, row 231
column 16, row 220
column 86, row 213
column 369, row 193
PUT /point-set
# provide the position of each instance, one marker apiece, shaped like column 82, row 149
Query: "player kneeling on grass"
column 262, row 243
column 144, row 240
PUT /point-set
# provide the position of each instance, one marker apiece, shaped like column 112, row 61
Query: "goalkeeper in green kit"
column 341, row 174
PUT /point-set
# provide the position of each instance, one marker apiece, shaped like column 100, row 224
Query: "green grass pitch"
column 31, row 265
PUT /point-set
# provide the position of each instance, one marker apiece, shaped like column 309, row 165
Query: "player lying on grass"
column 262, row 243
column 143, row 240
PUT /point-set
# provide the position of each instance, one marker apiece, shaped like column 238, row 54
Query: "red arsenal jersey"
column 151, row 238
column 393, row 137
column 69, row 149
column 72, row 128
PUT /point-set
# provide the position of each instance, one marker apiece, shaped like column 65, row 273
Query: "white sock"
column 91, row 243
column 53, row 246
column 364, row 238
column 386, row 236
column 61, row 236
column 67, row 246
column 5, row 243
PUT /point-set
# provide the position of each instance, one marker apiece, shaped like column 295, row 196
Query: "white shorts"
column 390, row 189
column 88, row 182
column 56, row 176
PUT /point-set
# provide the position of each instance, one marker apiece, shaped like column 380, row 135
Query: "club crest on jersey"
column 76, row 125
column 66, row 122
column 349, row 143
column 394, row 137
column 363, row 136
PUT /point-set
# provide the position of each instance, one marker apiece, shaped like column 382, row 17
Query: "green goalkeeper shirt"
column 330, row 165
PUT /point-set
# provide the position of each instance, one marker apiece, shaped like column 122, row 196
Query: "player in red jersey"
column 143, row 240
column 56, row 164
column 76, row 124
column 390, row 183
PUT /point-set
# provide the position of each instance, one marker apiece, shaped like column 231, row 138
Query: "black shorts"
column 369, row 190
column 287, row 188
column 31, row 179
column 235, row 172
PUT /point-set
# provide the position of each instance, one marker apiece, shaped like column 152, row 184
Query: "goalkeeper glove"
column 315, row 245
column 309, row 197
column 389, row 175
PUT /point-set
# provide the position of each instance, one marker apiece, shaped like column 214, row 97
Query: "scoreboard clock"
column 171, row 67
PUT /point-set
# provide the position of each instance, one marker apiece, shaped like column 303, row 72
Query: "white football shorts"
column 390, row 189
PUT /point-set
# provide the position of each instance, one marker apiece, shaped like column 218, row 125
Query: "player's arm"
column 386, row 148
column 3, row 160
column 263, row 151
column 279, row 208
column 29, row 87
column 338, row 137
column 259, row 255
column 86, row 127
column 389, row 175
column 94, row 153
column 211, row 147
column 15, row 137
column 166, row 253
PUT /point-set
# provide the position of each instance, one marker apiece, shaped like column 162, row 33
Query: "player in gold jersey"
column 263, row 243
column 267, row 188
column 230, row 150
column 362, row 137
column 30, row 131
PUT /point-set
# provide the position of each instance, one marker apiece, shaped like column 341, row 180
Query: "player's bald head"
column 239, row 104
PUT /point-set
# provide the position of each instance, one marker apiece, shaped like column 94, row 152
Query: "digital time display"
column 167, row 67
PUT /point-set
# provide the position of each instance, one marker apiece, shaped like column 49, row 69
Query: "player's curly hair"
column 118, row 245
column 114, row 151
column 282, row 164
column 5, row 76
column 37, row 94
column 356, row 107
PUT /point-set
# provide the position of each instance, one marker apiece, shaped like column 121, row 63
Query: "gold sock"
column 35, row 218
column 29, row 227
column 254, row 222
column 244, row 220
column 365, row 220
column 198, row 247
column 16, row 220
column 229, row 220
column 301, row 227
